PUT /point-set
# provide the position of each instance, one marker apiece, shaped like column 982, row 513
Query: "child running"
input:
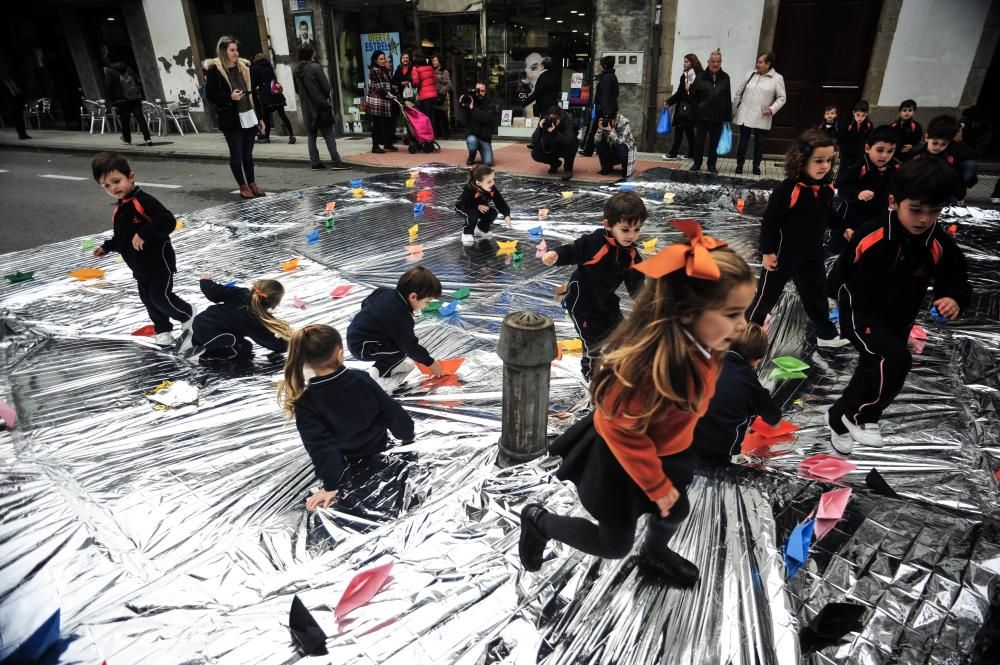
column 880, row 282
column 864, row 187
column 632, row 455
column 342, row 415
column 382, row 332
column 738, row 400
column 480, row 204
column 222, row 330
column 792, row 233
column 142, row 228
column 604, row 259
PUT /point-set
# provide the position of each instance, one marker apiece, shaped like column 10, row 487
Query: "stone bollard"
column 527, row 347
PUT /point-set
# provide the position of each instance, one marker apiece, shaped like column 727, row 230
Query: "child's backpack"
column 130, row 85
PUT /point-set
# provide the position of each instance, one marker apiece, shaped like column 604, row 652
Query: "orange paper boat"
column 769, row 432
column 291, row 264
column 450, row 366
column 87, row 273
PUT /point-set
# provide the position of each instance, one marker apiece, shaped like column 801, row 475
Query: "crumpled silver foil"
column 180, row 535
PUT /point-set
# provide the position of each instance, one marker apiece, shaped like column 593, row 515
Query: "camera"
column 466, row 99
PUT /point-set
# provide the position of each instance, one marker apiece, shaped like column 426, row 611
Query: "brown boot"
column 257, row 191
column 246, row 192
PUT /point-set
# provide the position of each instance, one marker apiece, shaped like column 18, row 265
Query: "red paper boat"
column 362, row 588
column 145, row 331
column 918, row 333
column 450, row 366
column 754, row 442
column 341, row 291
column 768, row 432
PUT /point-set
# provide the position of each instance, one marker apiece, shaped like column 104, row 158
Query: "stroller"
column 419, row 130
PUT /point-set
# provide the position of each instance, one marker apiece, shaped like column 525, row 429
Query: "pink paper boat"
column 918, row 333
column 8, row 414
column 362, row 589
column 831, row 510
column 341, row 291
column 828, row 467
column 298, row 302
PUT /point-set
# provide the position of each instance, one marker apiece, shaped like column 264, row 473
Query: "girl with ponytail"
column 221, row 331
column 655, row 378
column 342, row 415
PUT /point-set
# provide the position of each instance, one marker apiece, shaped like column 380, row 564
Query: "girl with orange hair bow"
column 632, row 455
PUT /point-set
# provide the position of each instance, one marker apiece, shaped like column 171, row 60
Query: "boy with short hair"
column 854, row 134
column 383, row 330
column 864, row 187
column 941, row 131
column 880, row 282
column 603, row 259
column 830, row 124
column 738, row 400
column 910, row 131
column 141, row 234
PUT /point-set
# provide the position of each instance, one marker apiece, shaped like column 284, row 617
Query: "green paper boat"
column 790, row 364
column 517, row 257
column 778, row 374
column 19, row 276
column 433, row 306
column 462, row 293
column 88, row 244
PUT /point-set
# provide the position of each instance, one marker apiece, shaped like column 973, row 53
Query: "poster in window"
column 304, row 33
column 387, row 42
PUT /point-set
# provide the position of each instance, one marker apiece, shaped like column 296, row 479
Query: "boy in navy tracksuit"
column 342, row 415
column 738, row 400
column 604, row 259
column 830, row 124
column 854, row 134
column 382, row 331
column 222, row 329
column 910, row 131
column 142, row 228
column 941, row 131
column 864, row 187
column 881, row 281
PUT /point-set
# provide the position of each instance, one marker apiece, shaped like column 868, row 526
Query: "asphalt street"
column 49, row 196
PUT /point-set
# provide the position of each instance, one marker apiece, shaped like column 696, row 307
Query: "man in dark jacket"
column 546, row 92
column 481, row 119
column 554, row 142
column 713, row 105
column 123, row 91
column 317, row 111
column 605, row 102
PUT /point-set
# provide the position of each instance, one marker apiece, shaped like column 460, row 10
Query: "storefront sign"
column 506, row 117
column 628, row 66
column 387, row 42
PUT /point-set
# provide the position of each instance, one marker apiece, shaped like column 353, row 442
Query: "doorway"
column 823, row 58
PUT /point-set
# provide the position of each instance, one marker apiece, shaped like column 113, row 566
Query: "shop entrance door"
column 455, row 38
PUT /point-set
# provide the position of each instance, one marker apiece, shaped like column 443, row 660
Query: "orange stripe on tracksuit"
column 868, row 242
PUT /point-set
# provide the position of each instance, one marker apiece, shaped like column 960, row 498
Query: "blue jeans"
column 485, row 148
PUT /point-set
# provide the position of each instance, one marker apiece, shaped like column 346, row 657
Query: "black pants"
column 441, row 128
column 162, row 304
column 240, row 142
column 482, row 220
column 588, row 139
column 809, row 276
column 15, row 108
column 556, row 157
column 285, row 122
column 383, row 131
column 679, row 134
column 759, row 136
column 614, row 541
column 883, row 364
column 127, row 111
column 384, row 353
column 610, row 155
column 713, row 131
column 593, row 329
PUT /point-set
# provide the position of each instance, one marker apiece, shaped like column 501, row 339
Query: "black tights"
column 240, row 142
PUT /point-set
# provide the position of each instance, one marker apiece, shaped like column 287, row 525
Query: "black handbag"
column 683, row 113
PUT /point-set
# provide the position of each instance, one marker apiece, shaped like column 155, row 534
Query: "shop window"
column 235, row 18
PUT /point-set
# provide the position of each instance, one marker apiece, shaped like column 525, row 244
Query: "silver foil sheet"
column 180, row 536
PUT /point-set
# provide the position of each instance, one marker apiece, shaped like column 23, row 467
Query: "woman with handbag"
column 378, row 105
column 227, row 86
column 317, row 112
column 757, row 100
column 442, row 116
column 269, row 97
column 683, row 116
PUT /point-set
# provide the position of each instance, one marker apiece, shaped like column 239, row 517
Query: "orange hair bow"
column 257, row 292
column 694, row 256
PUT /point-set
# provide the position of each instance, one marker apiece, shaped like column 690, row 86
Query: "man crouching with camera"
column 481, row 119
column 555, row 142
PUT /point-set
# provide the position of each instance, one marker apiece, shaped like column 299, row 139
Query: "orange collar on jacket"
column 799, row 186
column 609, row 242
column 139, row 210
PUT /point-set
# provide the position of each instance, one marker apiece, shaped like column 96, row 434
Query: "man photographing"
column 481, row 119
column 554, row 142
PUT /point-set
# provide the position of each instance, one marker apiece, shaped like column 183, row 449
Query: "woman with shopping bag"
column 757, row 100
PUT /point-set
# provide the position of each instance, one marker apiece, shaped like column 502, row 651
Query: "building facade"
column 941, row 53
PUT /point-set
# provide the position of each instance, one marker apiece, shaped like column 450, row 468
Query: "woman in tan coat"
column 760, row 96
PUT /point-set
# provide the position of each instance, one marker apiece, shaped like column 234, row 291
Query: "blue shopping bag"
column 663, row 126
column 725, row 141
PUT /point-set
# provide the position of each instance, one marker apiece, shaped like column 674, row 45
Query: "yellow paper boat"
column 291, row 264
column 668, row 197
column 179, row 225
column 358, row 193
column 506, row 247
column 411, row 182
column 413, row 230
column 87, row 273
column 649, row 245
column 567, row 194
column 571, row 345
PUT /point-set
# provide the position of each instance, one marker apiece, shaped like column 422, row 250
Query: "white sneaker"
column 387, row 383
column 842, row 443
column 832, row 343
column 468, row 239
column 483, row 234
column 164, row 339
column 403, row 368
column 868, row 435
column 994, row 200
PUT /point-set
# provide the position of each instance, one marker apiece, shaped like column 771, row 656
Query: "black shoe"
column 390, row 148
column 739, row 169
column 149, row 142
column 470, row 161
column 695, row 167
column 671, row 156
column 531, row 546
column 669, row 566
column 553, row 168
column 566, row 175
column 756, row 170
column 22, row 137
column 292, row 139
column 339, row 166
column 531, row 146
column 377, row 150
column 126, row 142
column 263, row 139
column 712, row 169
column 317, row 167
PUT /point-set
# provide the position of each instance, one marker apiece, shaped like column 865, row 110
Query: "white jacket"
column 756, row 92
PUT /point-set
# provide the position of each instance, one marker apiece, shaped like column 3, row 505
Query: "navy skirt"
column 605, row 488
